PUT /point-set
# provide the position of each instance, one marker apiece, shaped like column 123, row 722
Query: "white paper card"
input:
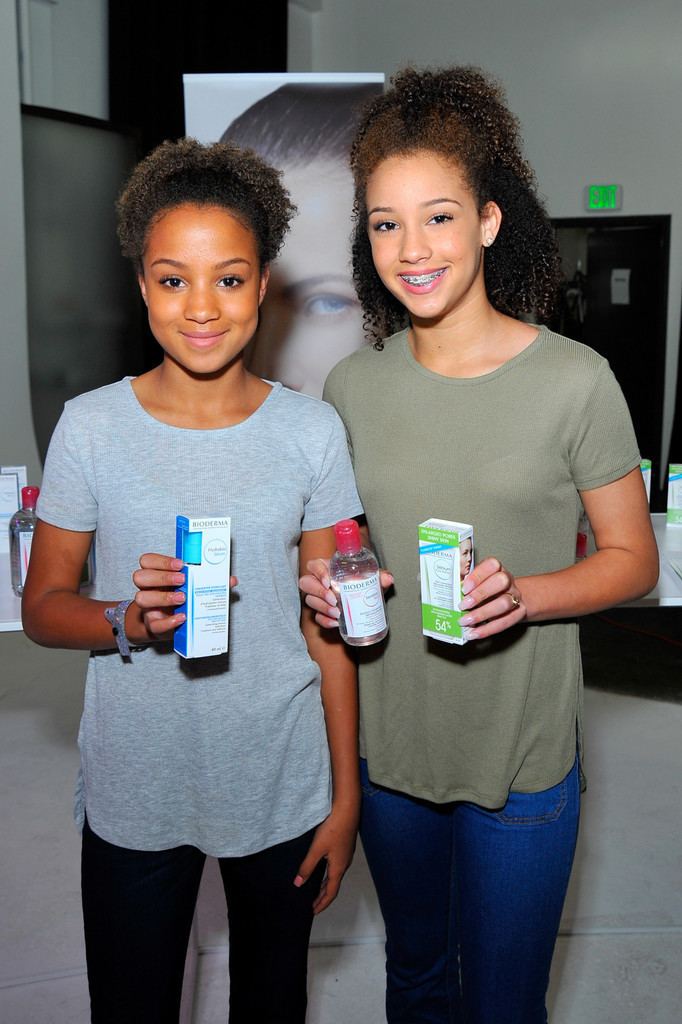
column 12, row 479
column 620, row 286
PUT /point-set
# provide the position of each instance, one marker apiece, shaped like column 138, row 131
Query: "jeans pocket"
column 535, row 808
column 366, row 785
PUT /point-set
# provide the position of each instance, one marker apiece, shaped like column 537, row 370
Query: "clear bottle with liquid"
column 21, row 527
column 354, row 576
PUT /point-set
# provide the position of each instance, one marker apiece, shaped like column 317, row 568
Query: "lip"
column 423, row 281
column 202, row 339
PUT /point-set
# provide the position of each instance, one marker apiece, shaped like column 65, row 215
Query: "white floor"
column 619, row 956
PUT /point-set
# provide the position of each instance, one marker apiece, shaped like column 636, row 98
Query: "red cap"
column 29, row 496
column 347, row 533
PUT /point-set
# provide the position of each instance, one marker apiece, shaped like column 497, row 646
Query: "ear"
column 264, row 278
column 143, row 288
column 491, row 219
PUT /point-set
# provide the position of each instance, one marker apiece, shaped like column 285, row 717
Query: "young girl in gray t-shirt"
column 249, row 756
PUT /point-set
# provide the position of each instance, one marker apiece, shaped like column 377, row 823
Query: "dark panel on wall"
column 153, row 43
column 84, row 324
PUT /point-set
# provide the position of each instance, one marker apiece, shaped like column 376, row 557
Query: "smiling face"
column 311, row 318
column 202, row 283
column 427, row 235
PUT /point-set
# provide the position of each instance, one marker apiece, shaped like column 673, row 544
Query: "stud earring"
column 489, row 241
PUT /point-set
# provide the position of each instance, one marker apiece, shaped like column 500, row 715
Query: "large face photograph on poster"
column 302, row 124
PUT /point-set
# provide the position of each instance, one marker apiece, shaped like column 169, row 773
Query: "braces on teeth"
column 418, row 279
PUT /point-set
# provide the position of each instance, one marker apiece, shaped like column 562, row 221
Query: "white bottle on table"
column 21, row 527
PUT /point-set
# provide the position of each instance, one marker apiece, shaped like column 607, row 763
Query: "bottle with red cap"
column 21, row 527
column 354, row 575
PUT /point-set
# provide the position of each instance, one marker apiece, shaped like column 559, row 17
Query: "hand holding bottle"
column 316, row 585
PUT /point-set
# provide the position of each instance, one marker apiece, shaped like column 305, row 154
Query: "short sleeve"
column 334, row 495
column 67, row 497
column 334, row 389
column 604, row 446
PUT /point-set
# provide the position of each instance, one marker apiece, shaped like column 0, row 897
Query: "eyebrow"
column 429, row 202
column 297, row 288
column 217, row 266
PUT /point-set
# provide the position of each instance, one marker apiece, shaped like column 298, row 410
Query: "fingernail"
column 472, row 634
column 177, row 563
column 467, row 585
column 466, row 620
column 334, row 613
column 331, row 597
column 298, row 881
column 179, row 597
column 179, row 578
column 468, row 602
column 326, row 582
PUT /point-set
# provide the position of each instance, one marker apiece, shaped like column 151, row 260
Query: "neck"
column 200, row 402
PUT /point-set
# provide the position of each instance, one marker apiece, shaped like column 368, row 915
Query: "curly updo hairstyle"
column 222, row 174
column 460, row 114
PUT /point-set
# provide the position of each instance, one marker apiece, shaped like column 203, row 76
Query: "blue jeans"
column 471, row 900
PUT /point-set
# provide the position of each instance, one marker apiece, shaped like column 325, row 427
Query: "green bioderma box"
column 446, row 556
column 674, row 514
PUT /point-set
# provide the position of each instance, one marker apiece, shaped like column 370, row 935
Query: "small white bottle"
column 21, row 527
column 354, row 575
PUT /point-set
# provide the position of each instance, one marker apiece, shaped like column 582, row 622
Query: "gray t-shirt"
column 507, row 452
column 229, row 753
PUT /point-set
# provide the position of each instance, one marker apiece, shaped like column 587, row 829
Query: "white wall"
column 63, row 65
column 596, row 86
column 17, row 445
column 64, row 61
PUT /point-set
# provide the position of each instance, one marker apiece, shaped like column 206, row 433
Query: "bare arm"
column 335, row 837
column 54, row 613
column 624, row 567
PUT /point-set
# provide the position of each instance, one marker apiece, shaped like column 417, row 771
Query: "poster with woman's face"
column 303, row 124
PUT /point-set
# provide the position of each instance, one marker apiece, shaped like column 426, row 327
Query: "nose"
column 414, row 245
column 202, row 304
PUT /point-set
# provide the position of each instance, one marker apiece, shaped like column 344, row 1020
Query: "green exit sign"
column 603, row 197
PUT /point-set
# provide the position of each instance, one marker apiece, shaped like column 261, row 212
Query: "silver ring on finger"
column 515, row 600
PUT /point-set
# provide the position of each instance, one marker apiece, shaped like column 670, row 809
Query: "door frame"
column 662, row 224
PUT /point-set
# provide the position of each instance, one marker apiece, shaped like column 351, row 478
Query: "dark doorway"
column 614, row 299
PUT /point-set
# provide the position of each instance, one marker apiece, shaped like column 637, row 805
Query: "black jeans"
column 138, row 908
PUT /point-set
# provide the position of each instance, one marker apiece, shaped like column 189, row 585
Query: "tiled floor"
column 618, row 960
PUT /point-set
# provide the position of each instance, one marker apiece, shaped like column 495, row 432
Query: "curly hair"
column 460, row 114
column 221, row 174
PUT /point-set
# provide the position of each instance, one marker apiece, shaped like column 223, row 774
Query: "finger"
column 158, row 623
column 319, row 568
column 329, row 890
column 494, row 586
column 496, row 625
column 501, row 606
column 311, row 587
column 151, row 560
column 147, row 599
column 326, row 622
column 386, row 579
column 234, row 582
column 321, row 604
column 488, row 567
column 308, row 865
column 155, row 578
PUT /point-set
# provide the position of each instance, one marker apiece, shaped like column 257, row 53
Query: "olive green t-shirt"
column 507, row 452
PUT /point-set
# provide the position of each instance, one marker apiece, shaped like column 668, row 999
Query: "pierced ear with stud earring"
column 488, row 241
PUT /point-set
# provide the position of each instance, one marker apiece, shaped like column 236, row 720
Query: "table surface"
column 666, row 593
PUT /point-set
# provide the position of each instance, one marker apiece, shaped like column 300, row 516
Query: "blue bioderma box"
column 203, row 544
